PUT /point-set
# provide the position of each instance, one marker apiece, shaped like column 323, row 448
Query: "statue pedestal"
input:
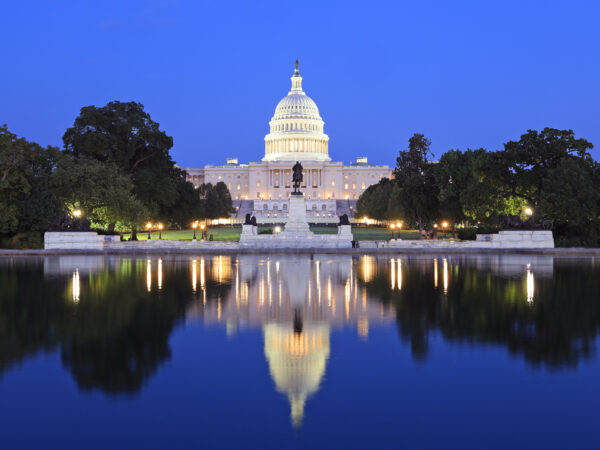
column 249, row 230
column 297, row 223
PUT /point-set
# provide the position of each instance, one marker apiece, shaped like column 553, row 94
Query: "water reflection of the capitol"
column 297, row 300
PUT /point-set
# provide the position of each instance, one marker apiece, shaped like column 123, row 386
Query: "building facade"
column 296, row 134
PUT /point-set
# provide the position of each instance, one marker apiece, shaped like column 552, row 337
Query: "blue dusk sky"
column 467, row 74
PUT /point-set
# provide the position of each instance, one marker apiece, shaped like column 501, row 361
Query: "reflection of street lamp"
column 77, row 213
column 160, row 227
column 149, row 227
column 194, row 226
column 392, row 227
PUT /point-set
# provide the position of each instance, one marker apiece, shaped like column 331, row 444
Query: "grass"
column 233, row 233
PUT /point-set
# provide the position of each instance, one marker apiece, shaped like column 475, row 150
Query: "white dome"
column 297, row 106
column 296, row 128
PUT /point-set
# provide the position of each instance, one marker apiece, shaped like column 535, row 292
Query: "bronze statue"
column 297, row 177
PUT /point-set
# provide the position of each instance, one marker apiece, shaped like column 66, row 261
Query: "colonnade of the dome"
column 296, row 145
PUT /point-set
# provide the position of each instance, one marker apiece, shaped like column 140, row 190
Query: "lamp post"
column 444, row 226
column 392, row 227
column 529, row 211
column 194, row 226
column 160, row 227
column 202, row 226
column 149, row 227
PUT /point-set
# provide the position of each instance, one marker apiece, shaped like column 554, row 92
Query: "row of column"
column 312, row 177
column 299, row 145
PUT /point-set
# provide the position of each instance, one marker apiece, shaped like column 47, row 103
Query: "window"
column 333, row 183
column 324, row 207
column 345, row 185
column 353, row 185
column 362, row 185
column 285, row 206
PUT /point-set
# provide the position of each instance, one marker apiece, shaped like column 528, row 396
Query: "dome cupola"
column 296, row 128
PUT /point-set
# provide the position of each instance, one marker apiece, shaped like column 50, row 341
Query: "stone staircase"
column 243, row 207
column 343, row 207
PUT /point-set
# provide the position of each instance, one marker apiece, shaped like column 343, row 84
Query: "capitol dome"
column 296, row 128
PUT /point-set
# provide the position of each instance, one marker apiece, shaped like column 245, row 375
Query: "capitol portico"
column 296, row 134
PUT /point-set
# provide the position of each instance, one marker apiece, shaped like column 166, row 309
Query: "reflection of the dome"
column 297, row 361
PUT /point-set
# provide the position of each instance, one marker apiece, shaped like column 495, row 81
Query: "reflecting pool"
column 299, row 351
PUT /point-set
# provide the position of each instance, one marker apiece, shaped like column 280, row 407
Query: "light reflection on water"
column 114, row 330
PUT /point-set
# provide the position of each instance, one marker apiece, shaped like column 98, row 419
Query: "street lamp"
column 529, row 211
column 392, row 227
column 77, row 213
column 160, row 227
column 194, row 226
column 202, row 226
column 444, row 226
column 149, row 227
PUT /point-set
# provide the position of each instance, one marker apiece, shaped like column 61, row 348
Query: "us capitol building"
column 296, row 134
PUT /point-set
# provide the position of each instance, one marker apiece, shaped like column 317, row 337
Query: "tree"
column 124, row 135
column 100, row 189
column 27, row 200
column 417, row 193
column 188, row 208
column 373, row 202
column 215, row 201
column 522, row 168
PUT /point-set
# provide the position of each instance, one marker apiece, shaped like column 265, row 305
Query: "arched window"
column 324, row 207
column 265, row 206
column 285, row 206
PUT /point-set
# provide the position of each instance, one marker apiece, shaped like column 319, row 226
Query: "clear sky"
column 467, row 74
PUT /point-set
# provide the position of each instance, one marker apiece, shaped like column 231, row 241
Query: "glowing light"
column 530, row 284
column 277, row 230
column 392, row 226
column 159, row 276
column 445, row 224
column 445, row 275
column 77, row 213
column 367, row 273
column 149, row 225
column 149, row 275
column 194, row 225
column 202, row 273
column 76, row 286
column 194, row 276
column 529, row 211
column 399, row 262
column 160, row 226
column 399, row 225
column 435, row 272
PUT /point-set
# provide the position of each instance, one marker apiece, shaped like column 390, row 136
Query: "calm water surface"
column 314, row 352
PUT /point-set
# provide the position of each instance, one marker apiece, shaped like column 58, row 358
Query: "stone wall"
column 516, row 239
column 80, row 240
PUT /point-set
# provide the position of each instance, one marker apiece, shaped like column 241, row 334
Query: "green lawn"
column 233, row 233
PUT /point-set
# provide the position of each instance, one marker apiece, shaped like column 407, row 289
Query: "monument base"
column 297, row 223
column 296, row 233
